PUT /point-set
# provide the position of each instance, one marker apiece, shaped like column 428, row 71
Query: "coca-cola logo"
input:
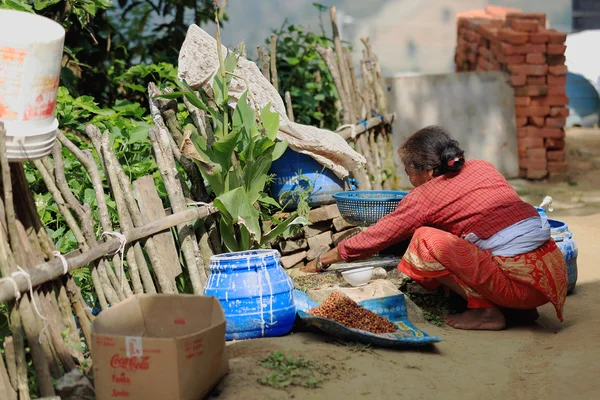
column 130, row 364
column 120, row 393
column 123, row 379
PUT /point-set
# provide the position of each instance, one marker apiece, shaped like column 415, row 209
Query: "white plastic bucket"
column 31, row 49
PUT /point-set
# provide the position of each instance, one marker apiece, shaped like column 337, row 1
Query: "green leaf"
column 89, row 196
column 243, row 115
column 270, row 120
column 236, row 204
column 231, row 62
column 223, row 149
column 282, row 227
column 42, row 4
column 139, row 135
column 268, row 200
column 255, row 176
column 219, row 88
column 279, row 149
column 228, row 236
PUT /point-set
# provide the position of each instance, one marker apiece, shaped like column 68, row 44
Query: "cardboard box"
column 159, row 347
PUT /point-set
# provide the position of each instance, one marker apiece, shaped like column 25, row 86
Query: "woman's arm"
column 391, row 229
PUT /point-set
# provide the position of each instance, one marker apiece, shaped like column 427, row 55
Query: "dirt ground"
column 549, row 359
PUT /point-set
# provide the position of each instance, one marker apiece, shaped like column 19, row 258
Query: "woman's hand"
column 331, row 257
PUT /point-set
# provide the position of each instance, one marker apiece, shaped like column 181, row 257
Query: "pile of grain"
column 342, row 309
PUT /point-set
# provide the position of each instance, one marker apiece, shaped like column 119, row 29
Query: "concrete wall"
column 477, row 108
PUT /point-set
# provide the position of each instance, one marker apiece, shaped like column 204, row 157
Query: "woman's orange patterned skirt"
column 526, row 281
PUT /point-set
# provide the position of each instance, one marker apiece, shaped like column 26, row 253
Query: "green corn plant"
column 237, row 164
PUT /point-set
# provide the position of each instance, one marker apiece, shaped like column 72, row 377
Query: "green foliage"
column 287, row 371
column 237, row 163
column 304, row 74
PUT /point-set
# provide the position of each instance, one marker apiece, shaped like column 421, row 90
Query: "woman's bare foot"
column 489, row 319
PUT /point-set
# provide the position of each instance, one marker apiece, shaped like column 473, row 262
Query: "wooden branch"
column 378, row 85
column 288, row 106
column 83, row 212
column 329, row 59
column 168, row 112
column 376, row 177
column 53, row 269
column 343, row 66
column 166, row 164
column 274, row 77
column 122, row 190
column 11, row 362
column 243, row 52
column 7, row 390
column 66, row 313
column 359, row 129
column 74, row 295
column 9, row 206
column 87, row 160
column 354, row 88
column 369, row 98
column 263, row 63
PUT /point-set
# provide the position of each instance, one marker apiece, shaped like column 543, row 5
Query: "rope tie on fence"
column 351, row 126
column 121, row 250
column 198, row 203
column 25, row 274
column 363, row 122
column 63, row 260
column 381, row 117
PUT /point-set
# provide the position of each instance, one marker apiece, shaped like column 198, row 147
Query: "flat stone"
column 347, row 234
column 340, row 224
column 315, row 252
column 323, row 239
column 324, row 213
column 291, row 246
column 316, row 229
column 292, row 259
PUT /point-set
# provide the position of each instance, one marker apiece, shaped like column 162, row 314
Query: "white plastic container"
column 31, row 49
column 358, row 276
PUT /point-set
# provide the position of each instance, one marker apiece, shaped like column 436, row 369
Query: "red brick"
column 558, row 70
column 538, row 37
column 527, row 132
column 560, row 90
column 555, row 122
column 537, row 174
column 533, row 70
column 485, row 52
column 556, row 49
column 521, row 121
column 500, row 12
column 536, row 154
column 559, row 111
column 530, row 111
column 558, row 167
column 522, row 101
column 556, row 60
column 518, row 80
column 472, row 57
column 471, row 36
column 511, row 36
column 556, row 37
column 552, row 133
column 531, row 90
column 535, row 58
column 522, row 172
column 549, row 100
column 557, row 80
column 537, row 121
column 525, row 25
column 511, row 50
column 530, row 143
column 539, row 17
column 555, row 144
column 536, row 163
column 558, row 155
column 536, row 80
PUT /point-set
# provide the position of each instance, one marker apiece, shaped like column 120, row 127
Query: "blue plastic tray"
column 391, row 307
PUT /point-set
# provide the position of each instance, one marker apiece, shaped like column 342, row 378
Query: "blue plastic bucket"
column 295, row 171
column 255, row 292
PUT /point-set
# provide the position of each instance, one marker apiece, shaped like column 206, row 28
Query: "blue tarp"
column 391, row 307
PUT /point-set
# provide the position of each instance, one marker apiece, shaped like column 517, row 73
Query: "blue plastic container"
column 366, row 207
column 255, row 292
column 294, row 171
column 583, row 98
column 564, row 240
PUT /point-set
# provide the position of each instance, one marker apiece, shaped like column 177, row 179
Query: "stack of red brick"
column 501, row 39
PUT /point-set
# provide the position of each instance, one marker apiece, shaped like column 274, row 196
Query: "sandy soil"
column 549, row 360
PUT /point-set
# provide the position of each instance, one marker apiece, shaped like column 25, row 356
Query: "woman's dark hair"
column 432, row 148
